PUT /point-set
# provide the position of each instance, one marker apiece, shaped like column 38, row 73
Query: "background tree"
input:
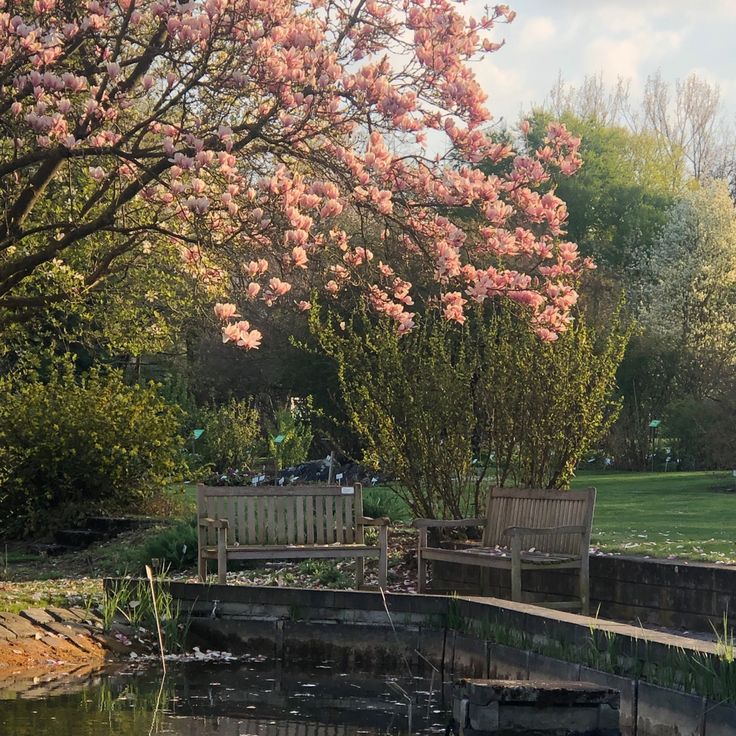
column 692, row 296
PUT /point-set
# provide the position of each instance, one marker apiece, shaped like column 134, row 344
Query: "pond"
column 235, row 699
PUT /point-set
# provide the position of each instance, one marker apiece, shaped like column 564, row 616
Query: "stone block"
column 507, row 663
column 363, row 646
column 67, row 629
column 720, row 720
column 20, row 626
column 556, row 670
column 665, row 712
column 432, row 643
column 469, row 656
column 484, row 717
column 627, row 691
column 235, row 635
column 37, row 616
column 522, row 707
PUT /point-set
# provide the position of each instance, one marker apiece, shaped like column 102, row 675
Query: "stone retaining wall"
column 460, row 637
column 673, row 593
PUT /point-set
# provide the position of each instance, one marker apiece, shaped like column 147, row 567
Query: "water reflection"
column 197, row 699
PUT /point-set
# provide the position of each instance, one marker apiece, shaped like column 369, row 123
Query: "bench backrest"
column 538, row 508
column 283, row 515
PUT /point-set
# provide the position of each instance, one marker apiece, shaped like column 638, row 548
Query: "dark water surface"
column 235, row 699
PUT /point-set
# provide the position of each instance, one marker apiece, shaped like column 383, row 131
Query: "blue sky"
column 615, row 37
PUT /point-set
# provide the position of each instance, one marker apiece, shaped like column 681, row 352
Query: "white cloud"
column 506, row 89
column 536, row 31
column 626, row 57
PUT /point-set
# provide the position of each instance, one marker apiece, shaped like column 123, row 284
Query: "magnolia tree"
column 249, row 134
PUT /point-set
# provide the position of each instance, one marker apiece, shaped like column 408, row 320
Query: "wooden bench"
column 284, row 523
column 523, row 530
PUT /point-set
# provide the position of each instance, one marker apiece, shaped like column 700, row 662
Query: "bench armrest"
column 207, row 521
column 447, row 524
column 368, row 521
column 520, row 531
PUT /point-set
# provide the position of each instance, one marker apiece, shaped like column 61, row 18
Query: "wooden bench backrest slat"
column 294, row 515
column 539, row 508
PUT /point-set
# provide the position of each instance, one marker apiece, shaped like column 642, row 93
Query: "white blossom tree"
column 691, row 302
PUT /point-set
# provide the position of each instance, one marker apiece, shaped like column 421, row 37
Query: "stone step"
column 110, row 525
column 511, row 707
column 77, row 538
column 37, row 616
column 20, row 626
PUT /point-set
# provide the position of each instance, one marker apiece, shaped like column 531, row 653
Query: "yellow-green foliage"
column 71, row 445
column 448, row 409
column 293, row 426
column 230, row 435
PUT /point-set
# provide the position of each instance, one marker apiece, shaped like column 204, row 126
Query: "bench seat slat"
column 496, row 558
column 286, row 552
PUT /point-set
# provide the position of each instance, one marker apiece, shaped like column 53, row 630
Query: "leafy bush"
column 325, row 573
column 230, row 433
column 175, row 546
column 384, row 502
column 447, row 409
column 73, row 445
column 295, row 434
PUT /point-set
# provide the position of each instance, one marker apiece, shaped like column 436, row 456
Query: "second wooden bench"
column 284, row 523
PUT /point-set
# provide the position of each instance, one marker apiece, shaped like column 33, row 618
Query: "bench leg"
column 382, row 556
column 202, row 569
column 421, row 562
column 585, row 586
column 221, row 556
column 515, row 568
column 359, row 572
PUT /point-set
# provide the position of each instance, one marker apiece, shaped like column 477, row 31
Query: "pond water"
column 235, row 699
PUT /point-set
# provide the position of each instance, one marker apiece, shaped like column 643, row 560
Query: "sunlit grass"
column 689, row 515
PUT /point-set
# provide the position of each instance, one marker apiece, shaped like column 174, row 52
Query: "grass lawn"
column 691, row 515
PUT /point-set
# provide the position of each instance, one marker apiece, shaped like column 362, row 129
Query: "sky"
column 613, row 37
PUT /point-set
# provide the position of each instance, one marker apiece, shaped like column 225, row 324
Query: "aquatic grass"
column 132, row 601
column 711, row 675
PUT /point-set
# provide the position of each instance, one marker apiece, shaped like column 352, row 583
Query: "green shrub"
column 230, row 435
column 292, row 428
column 175, row 547
column 447, row 410
column 325, row 573
column 384, row 502
column 72, row 445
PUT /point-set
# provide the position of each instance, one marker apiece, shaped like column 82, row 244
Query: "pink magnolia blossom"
column 244, row 131
column 225, row 311
column 249, row 340
column 299, row 257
